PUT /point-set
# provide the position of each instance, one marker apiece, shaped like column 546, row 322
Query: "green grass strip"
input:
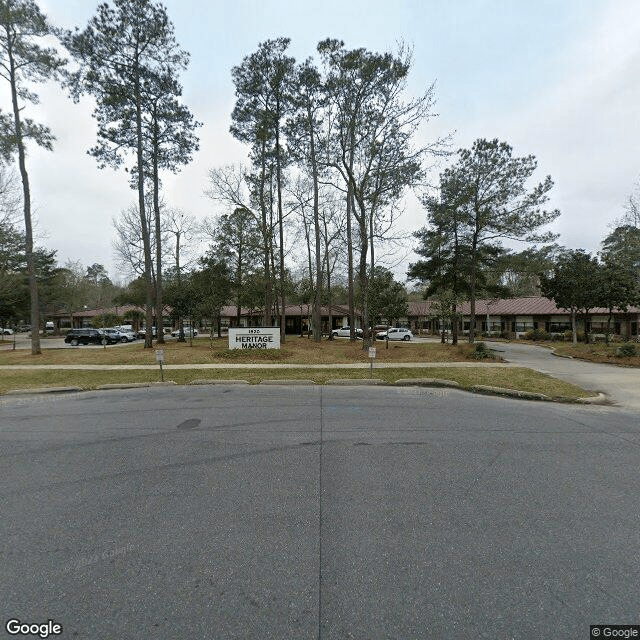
column 520, row 379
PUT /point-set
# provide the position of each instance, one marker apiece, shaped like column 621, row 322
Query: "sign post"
column 160, row 361
column 372, row 355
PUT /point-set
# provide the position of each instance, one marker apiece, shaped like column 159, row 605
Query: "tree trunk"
column 329, row 300
column 156, row 211
column 266, row 237
column 239, row 283
column 283, row 320
column 472, row 294
column 352, row 305
column 363, row 274
column 454, row 324
column 586, row 333
column 574, row 332
column 26, row 193
column 144, row 228
column 317, row 297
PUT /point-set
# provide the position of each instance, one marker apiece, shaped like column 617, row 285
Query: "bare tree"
column 234, row 188
column 128, row 245
column 183, row 229
column 372, row 143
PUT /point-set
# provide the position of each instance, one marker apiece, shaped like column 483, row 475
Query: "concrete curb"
column 427, row 382
column 25, row 392
column 499, row 391
column 357, row 381
column 205, row 381
column 601, row 398
column 289, row 382
column 135, row 385
column 560, row 355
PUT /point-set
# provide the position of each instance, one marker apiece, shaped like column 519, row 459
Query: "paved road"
column 287, row 512
column 620, row 384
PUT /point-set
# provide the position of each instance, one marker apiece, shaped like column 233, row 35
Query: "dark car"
column 86, row 336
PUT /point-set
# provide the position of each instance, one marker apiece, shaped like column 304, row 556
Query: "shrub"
column 537, row 334
column 106, row 320
column 627, row 350
column 481, row 351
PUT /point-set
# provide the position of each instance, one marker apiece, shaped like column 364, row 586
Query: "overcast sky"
column 559, row 80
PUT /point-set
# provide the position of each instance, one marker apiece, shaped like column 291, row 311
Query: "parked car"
column 395, row 333
column 119, row 336
column 187, row 330
column 143, row 332
column 7, row 332
column 86, row 336
column 345, row 332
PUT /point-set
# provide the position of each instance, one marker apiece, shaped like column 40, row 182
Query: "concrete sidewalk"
column 358, row 365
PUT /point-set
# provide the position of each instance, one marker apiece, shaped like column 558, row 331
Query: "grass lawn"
column 294, row 350
column 598, row 352
column 512, row 378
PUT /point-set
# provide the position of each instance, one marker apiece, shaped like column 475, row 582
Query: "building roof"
column 119, row 310
column 290, row 310
column 527, row 306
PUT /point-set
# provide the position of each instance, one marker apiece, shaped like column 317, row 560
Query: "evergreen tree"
column 125, row 55
column 24, row 60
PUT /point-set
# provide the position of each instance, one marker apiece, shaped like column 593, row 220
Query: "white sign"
column 254, row 338
column 159, row 355
column 372, row 352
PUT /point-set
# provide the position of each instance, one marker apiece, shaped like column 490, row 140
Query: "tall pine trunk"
column 317, row 297
column 156, row 211
column 266, row 239
column 283, row 311
column 144, row 227
column 26, row 194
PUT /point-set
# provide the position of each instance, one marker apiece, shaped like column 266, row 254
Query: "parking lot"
column 23, row 341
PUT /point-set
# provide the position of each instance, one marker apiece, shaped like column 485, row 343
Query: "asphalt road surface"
column 223, row 512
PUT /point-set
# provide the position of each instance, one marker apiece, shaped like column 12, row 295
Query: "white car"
column 187, row 330
column 116, row 335
column 345, row 332
column 7, row 332
column 395, row 333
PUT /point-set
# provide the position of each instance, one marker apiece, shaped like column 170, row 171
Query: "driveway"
column 620, row 384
